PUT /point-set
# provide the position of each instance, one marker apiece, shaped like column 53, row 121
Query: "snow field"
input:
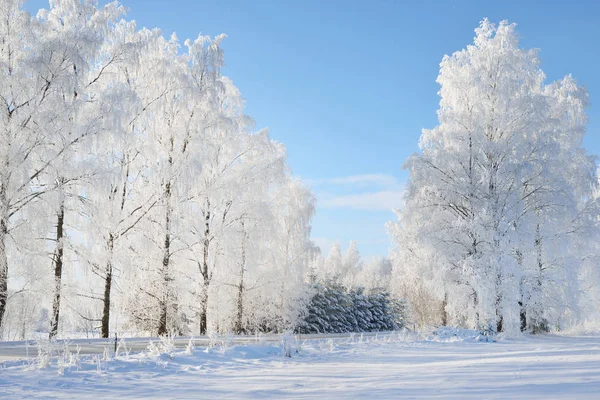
column 450, row 364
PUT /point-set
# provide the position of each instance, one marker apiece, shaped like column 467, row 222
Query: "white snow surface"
column 448, row 364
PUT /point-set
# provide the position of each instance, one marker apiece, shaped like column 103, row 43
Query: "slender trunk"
column 282, row 306
column 476, row 306
column 538, row 249
column 3, row 270
column 521, row 303
column 58, row 266
column 24, row 312
column 4, row 182
column 110, row 246
column 107, row 287
column 443, row 310
column 499, row 317
column 499, row 324
column 204, row 270
column 240, row 305
column 473, row 253
column 282, row 302
column 164, row 302
column 523, row 316
column 203, row 311
column 240, row 295
column 537, row 321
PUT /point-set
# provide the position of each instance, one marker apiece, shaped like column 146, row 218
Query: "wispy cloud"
column 367, row 192
column 370, row 201
column 381, row 180
column 365, row 180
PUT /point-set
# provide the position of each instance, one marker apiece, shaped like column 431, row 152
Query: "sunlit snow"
column 399, row 365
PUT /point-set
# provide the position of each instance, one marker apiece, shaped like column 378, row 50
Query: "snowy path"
column 540, row 367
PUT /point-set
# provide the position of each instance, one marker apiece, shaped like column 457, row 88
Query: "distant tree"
column 332, row 269
column 335, row 310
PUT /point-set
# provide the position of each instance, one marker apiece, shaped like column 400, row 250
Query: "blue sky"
column 348, row 85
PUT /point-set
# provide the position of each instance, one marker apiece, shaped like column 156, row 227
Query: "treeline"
column 135, row 194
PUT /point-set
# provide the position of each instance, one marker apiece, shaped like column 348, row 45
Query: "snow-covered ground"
column 447, row 365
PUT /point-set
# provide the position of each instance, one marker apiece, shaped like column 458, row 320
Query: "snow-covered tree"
column 130, row 168
column 497, row 180
column 179, row 101
column 294, row 207
column 117, row 200
column 279, row 293
column 375, row 275
column 331, row 270
column 333, row 310
column 46, row 60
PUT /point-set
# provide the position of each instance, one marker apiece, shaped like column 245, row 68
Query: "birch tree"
column 486, row 177
column 119, row 200
column 179, row 90
column 42, row 86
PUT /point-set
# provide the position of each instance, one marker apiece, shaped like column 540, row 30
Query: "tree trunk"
column 204, row 270
column 499, row 317
column 58, row 266
column 3, row 235
column 521, row 303
column 203, row 311
column 476, row 307
column 285, row 323
column 537, row 321
column 499, row 324
column 3, row 271
column 107, row 287
column 240, row 307
column 443, row 310
column 164, row 303
column 240, row 295
column 523, row 316
column 110, row 246
column 282, row 307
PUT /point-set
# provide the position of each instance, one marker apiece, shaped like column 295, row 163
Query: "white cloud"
column 364, row 180
column 370, row 201
column 366, row 192
column 367, row 179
